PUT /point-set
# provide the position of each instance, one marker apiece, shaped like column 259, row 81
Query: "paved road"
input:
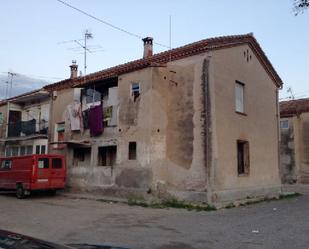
column 277, row 224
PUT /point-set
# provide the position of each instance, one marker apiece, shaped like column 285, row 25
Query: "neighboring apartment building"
column 199, row 122
column 294, row 124
column 24, row 124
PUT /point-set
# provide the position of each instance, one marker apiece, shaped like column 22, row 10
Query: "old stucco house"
column 294, row 149
column 198, row 122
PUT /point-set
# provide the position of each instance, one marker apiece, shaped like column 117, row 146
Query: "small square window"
column 284, row 124
column 135, row 90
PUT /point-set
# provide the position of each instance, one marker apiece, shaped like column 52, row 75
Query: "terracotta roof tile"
column 175, row 54
column 293, row 107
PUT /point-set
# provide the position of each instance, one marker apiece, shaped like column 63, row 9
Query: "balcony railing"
column 27, row 128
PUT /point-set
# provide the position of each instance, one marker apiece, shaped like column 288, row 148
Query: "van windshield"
column 43, row 163
column 56, row 163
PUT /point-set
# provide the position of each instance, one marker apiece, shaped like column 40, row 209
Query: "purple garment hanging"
column 96, row 120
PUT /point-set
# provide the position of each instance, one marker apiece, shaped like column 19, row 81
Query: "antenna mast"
column 87, row 35
column 170, row 37
column 10, row 81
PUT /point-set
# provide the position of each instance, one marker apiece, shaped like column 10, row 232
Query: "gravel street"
column 276, row 224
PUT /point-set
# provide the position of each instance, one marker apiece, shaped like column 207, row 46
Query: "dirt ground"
column 276, row 224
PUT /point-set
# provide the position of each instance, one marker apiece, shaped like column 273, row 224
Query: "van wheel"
column 52, row 192
column 20, row 192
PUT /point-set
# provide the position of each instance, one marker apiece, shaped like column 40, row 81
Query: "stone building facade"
column 294, row 146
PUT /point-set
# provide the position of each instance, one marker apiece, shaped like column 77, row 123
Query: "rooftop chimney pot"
column 148, row 48
column 74, row 68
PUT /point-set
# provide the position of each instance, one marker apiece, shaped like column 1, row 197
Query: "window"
column 8, row 151
column 284, row 124
column 132, row 150
column 6, row 165
column 239, row 97
column 243, row 162
column 43, row 163
column 60, row 131
column 43, row 149
column 29, row 150
column 1, row 118
column 14, row 151
column 56, row 163
column 135, row 90
column 107, row 156
column 22, row 150
column 81, row 156
column 37, row 149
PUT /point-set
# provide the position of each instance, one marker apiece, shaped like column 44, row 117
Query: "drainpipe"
column 207, row 127
column 278, row 134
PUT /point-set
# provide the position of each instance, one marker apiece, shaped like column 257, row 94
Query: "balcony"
column 28, row 129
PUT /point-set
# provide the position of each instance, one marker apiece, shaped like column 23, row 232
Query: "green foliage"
column 172, row 204
column 300, row 6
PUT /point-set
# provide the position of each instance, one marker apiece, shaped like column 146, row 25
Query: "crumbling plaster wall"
column 288, row 169
column 259, row 126
column 302, row 148
column 134, row 122
column 177, row 158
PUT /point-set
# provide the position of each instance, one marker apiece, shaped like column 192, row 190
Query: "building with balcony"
column 24, row 124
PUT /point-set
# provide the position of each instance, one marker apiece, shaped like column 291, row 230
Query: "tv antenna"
column 290, row 91
column 9, row 84
column 84, row 46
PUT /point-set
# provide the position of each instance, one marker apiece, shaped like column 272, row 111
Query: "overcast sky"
column 32, row 33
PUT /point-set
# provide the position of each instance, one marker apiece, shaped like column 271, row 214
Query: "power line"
column 34, row 75
column 106, row 23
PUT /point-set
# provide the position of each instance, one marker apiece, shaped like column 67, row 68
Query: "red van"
column 32, row 172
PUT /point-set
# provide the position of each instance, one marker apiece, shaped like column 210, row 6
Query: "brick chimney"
column 148, row 51
column 74, row 68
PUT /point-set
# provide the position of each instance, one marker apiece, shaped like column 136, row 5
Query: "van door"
column 5, row 174
column 43, row 173
column 57, row 177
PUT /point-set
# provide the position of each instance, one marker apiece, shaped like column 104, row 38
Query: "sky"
column 34, row 35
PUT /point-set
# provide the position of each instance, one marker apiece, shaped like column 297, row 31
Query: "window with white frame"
column 239, row 97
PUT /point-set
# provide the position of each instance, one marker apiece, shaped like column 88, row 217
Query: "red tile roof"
column 293, row 107
column 175, row 54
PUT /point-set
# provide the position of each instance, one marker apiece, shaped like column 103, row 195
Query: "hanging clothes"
column 86, row 114
column 74, row 116
column 96, row 120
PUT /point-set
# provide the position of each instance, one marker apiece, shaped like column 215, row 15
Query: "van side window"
column 6, row 165
column 43, row 163
column 56, row 163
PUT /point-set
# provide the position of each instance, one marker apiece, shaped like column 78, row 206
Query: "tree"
column 300, row 6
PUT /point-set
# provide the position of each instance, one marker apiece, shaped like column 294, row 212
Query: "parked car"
column 32, row 172
column 10, row 240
